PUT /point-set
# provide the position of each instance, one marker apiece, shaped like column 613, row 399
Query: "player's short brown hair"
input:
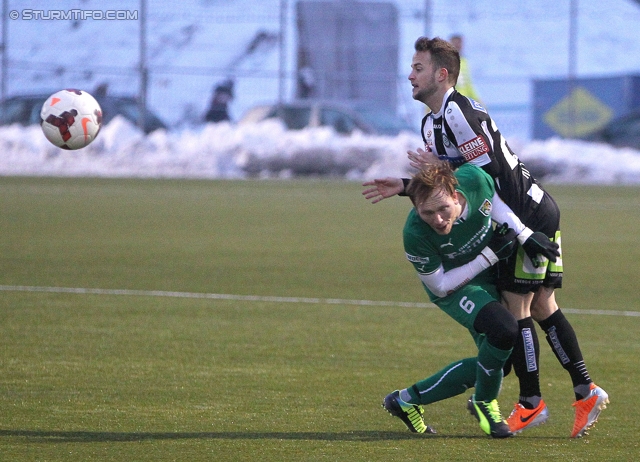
column 443, row 55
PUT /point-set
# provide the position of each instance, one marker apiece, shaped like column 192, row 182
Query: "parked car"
column 342, row 117
column 25, row 110
column 623, row 132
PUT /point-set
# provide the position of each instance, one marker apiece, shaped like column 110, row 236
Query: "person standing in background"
column 219, row 107
column 464, row 84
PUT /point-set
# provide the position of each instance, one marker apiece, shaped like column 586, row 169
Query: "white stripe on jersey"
column 471, row 146
column 428, row 134
column 536, row 193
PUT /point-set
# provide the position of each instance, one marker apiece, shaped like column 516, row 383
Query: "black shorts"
column 517, row 273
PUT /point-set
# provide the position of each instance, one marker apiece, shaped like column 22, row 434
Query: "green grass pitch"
column 146, row 376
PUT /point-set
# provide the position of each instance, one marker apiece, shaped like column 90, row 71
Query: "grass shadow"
column 96, row 436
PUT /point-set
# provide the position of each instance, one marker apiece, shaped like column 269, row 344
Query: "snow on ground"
column 267, row 150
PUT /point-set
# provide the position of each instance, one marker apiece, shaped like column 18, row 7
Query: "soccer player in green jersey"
column 449, row 239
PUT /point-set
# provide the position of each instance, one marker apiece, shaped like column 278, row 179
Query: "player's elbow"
column 439, row 289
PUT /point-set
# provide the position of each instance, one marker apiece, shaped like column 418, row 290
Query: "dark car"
column 342, row 117
column 623, row 132
column 25, row 110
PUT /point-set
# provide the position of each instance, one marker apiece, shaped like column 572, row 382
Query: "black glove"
column 501, row 243
column 539, row 244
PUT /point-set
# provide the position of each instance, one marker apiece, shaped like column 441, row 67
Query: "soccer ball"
column 71, row 119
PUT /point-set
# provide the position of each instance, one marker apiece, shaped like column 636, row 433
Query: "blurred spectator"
column 306, row 77
column 306, row 82
column 101, row 90
column 222, row 96
column 464, row 85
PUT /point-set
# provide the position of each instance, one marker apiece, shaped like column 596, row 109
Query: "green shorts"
column 463, row 304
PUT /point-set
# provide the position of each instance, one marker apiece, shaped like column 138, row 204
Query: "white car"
column 343, row 118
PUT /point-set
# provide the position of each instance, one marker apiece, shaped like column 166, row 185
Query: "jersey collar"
column 444, row 101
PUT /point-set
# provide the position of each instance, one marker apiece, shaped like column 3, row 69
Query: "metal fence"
column 173, row 58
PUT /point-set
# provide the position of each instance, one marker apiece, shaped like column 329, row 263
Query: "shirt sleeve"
column 442, row 282
column 502, row 213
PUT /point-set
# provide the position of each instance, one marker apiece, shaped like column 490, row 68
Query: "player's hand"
column 418, row 159
column 539, row 244
column 501, row 244
column 382, row 188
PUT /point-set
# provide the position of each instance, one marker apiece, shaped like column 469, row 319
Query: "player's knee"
column 500, row 327
column 507, row 332
column 544, row 304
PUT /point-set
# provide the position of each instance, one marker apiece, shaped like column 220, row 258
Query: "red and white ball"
column 71, row 119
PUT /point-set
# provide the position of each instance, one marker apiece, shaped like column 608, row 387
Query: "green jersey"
column 427, row 250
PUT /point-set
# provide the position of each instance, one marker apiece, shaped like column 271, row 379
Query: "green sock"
column 453, row 380
column 490, row 362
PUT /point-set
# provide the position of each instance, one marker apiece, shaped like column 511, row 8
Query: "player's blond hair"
column 432, row 177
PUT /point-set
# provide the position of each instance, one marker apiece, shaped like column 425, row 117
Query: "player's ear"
column 443, row 74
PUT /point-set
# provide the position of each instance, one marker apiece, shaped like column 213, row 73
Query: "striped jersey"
column 462, row 131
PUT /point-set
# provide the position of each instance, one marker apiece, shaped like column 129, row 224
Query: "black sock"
column 525, row 358
column 564, row 343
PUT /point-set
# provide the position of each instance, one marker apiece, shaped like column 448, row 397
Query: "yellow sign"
column 578, row 114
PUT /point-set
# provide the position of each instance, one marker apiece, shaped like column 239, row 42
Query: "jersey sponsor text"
column 414, row 259
column 474, row 148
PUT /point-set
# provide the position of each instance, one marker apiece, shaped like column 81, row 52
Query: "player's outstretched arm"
column 382, row 188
